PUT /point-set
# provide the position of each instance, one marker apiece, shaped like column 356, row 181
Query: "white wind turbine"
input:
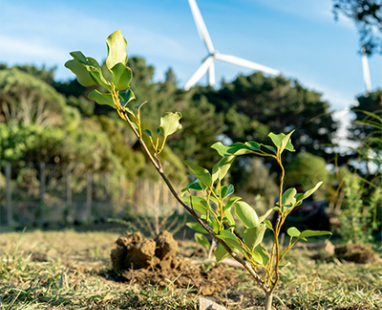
column 208, row 62
column 366, row 71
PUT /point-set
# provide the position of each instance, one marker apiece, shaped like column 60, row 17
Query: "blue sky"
column 297, row 37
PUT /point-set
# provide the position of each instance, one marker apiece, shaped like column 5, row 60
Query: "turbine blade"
column 211, row 75
column 201, row 26
column 199, row 73
column 366, row 71
column 246, row 63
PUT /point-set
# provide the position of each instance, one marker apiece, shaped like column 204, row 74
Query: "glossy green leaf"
column 231, row 240
column 246, row 214
column 286, row 142
column 198, row 203
column 169, row 123
column 96, row 72
column 116, row 46
column 194, row 185
column 254, row 236
column 260, row 255
column 309, row 192
column 229, row 217
column 278, row 141
column 293, row 232
column 268, row 224
column 265, row 215
column 271, row 148
column 197, row 227
column 104, row 99
column 199, row 172
column 288, row 198
column 215, row 226
column 243, row 148
column 221, row 148
column 313, row 233
column 227, row 190
column 202, row 240
column 148, row 132
column 139, row 106
column 230, row 203
column 79, row 57
column 126, row 97
column 220, row 170
column 121, row 76
column 83, row 75
column 221, row 253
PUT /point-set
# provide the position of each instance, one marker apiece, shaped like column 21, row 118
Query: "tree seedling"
column 214, row 206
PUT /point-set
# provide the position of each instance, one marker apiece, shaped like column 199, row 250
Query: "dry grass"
column 70, row 270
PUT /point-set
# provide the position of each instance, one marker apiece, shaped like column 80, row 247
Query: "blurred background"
column 66, row 161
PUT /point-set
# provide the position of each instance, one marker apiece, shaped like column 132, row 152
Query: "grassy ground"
column 71, row 270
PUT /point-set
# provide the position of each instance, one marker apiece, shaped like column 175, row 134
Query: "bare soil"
column 141, row 261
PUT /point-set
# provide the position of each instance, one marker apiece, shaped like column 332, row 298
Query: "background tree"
column 367, row 15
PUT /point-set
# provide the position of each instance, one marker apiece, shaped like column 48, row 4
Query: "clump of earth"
column 140, row 260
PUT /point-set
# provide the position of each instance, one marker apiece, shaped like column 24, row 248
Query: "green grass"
column 75, row 274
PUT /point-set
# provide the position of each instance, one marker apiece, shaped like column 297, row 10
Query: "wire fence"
column 39, row 193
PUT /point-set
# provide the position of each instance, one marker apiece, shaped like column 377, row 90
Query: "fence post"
column 8, row 192
column 88, row 195
column 42, row 191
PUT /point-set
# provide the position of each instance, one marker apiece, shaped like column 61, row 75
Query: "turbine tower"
column 208, row 62
column 366, row 71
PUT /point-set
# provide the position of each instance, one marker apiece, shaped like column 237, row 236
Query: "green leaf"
column 288, row 198
column 121, row 76
column 278, row 141
column 83, row 75
column 264, row 216
column 139, row 106
column 116, row 47
column 193, row 185
column 243, row 148
column 197, row 227
column 200, row 173
column 220, row 170
column 221, row 253
column 293, row 232
column 104, row 99
column 230, row 203
column 227, row 190
column 126, row 96
column 309, row 192
column 229, row 217
column 202, row 240
column 271, row 148
column 254, row 236
column 268, row 224
column 286, row 143
column 96, row 72
column 79, row 57
column 215, row 226
column 199, row 203
column 246, row 214
column 221, row 148
column 169, row 123
column 313, row 233
column 260, row 255
column 231, row 240
column 148, row 132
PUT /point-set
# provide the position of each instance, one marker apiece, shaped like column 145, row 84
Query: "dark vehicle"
column 310, row 215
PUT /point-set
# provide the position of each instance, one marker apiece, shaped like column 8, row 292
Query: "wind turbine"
column 208, row 62
column 366, row 71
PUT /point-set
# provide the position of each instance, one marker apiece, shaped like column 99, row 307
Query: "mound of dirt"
column 139, row 260
column 357, row 253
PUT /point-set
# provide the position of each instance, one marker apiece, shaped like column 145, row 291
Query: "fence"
column 33, row 193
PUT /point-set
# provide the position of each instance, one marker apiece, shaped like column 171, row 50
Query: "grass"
column 71, row 270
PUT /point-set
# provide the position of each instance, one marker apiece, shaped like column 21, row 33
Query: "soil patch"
column 139, row 260
column 357, row 253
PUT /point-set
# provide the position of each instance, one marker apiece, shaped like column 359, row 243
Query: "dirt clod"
column 356, row 253
column 143, row 261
